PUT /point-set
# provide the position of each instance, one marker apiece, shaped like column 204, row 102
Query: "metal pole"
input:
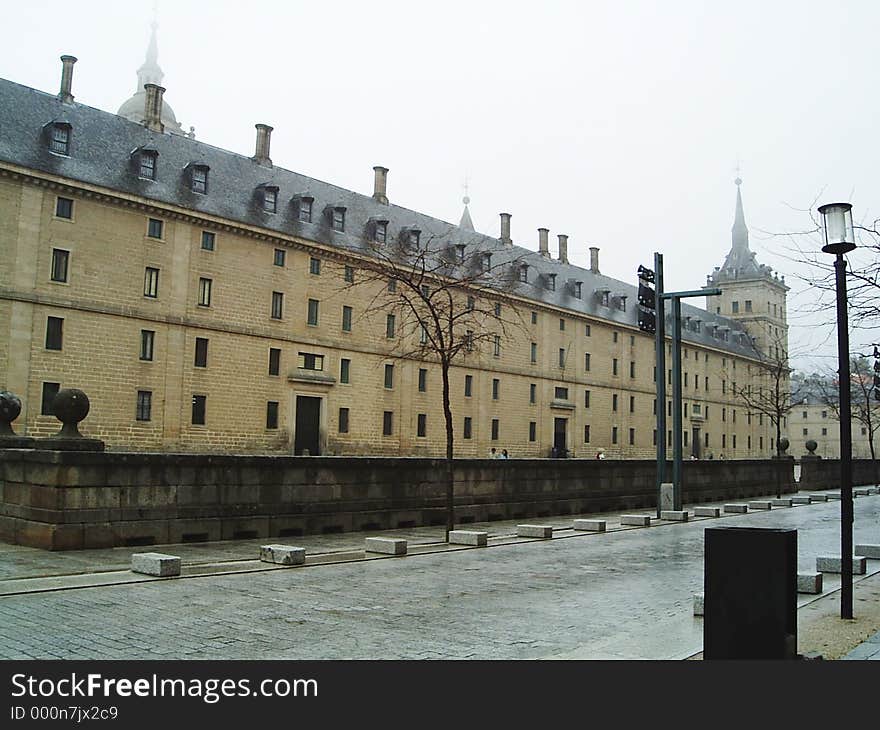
column 660, row 347
column 676, row 403
column 846, row 498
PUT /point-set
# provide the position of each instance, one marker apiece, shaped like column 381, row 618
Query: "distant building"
column 197, row 296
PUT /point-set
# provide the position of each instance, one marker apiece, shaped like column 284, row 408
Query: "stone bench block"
column 736, row 508
column 698, row 604
column 707, row 511
column 869, row 551
column 802, row 499
column 833, row 564
column 782, row 502
column 469, row 537
column 542, row 531
column 819, row 498
column 385, row 545
column 637, row 520
column 860, row 492
column 873, row 490
column 760, row 504
column 282, row 554
column 809, row 582
column 157, row 564
column 674, row 515
column 590, row 525
column 829, row 497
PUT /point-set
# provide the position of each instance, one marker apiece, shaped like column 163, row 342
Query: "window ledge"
column 562, row 405
column 306, row 376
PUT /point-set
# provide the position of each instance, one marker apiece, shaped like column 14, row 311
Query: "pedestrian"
column 492, row 454
column 504, row 454
column 600, row 454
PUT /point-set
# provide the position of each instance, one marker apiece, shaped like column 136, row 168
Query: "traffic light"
column 876, row 373
column 647, row 301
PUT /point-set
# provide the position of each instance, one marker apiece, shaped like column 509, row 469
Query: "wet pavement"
column 626, row 593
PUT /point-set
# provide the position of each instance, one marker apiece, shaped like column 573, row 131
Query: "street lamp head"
column 838, row 227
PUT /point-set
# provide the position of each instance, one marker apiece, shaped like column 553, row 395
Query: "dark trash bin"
column 750, row 593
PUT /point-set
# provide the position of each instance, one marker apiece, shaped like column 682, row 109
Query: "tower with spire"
column 751, row 293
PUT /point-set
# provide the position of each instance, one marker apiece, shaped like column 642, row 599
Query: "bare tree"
column 445, row 298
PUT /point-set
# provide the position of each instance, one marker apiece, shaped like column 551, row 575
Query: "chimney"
column 505, row 229
column 379, row 184
column 594, row 259
column 66, row 79
column 261, row 155
column 543, row 243
column 153, row 107
column 563, row 248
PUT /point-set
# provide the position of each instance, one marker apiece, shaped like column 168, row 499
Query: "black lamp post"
column 840, row 239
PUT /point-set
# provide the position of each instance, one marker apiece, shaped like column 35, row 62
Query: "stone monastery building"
column 208, row 301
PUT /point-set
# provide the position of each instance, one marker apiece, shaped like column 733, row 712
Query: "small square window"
column 60, row 259
column 50, row 390
column 560, row 393
column 345, row 370
column 148, row 339
column 199, row 403
column 208, row 240
column 271, row 415
column 54, row 333
column 155, row 228
column 143, row 410
column 343, row 420
column 277, row 304
column 314, row 266
column 64, row 208
column 274, row 361
column 151, row 282
column 280, row 257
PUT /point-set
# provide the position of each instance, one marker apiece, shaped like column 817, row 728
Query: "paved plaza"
column 623, row 594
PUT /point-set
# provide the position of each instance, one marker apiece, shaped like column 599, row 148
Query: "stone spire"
column 740, row 233
column 740, row 262
column 466, row 224
column 149, row 72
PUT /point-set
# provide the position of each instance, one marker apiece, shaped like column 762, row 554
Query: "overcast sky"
column 618, row 123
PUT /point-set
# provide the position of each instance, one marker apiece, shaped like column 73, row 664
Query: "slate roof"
column 101, row 154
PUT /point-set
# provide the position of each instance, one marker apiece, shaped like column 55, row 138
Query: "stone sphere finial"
column 783, row 444
column 811, row 446
column 10, row 408
column 70, row 407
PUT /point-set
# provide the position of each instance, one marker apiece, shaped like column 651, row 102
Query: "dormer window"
column 524, row 273
column 604, row 297
column 59, row 139
column 337, row 218
column 380, row 231
column 459, row 253
column 579, row 289
column 413, row 236
column 270, row 198
column 199, row 179
column 147, row 164
column 621, row 303
column 487, row 261
column 305, row 209
column 551, row 282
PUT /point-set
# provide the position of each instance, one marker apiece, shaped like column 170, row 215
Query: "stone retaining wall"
column 825, row 473
column 66, row 500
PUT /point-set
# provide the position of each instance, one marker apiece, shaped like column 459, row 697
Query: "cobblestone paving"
column 624, row 594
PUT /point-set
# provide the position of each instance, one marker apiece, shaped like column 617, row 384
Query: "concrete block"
column 760, row 504
column 698, row 604
column 860, row 492
column 637, row 520
column 590, row 525
column 819, row 498
column 674, row 515
column 869, row 551
column 736, row 508
column 156, row 564
column 667, row 496
column 282, row 554
column 873, row 490
column 385, row 545
column 781, row 502
column 707, row 511
column 468, row 537
column 829, row 497
column 809, row 582
column 543, row 531
column 802, row 499
column 833, row 564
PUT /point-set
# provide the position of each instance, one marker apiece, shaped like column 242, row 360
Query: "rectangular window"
column 154, row 228
column 497, row 309
column 587, row 330
column 392, row 286
column 534, row 318
column 562, row 325
column 60, row 257
column 198, row 410
column 534, row 352
column 423, row 335
column 421, row 425
column 338, row 219
column 494, row 429
column 60, row 139
column 749, row 306
column 614, row 366
column 586, row 399
column 204, row 292
column 314, row 266
column 274, row 361
column 614, row 336
column 144, row 405
column 151, row 282
column 310, row 361
column 64, row 208
column 390, row 320
column 345, row 370
column 468, row 426
column 632, row 368
column 533, row 392
column 54, row 333
column 533, row 431
column 277, row 304
column 348, row 274
column 389, row 375
column 560, row 393
column 147, row 166
column 496, row 386
column 148, row 338
column 587, row 433
column 305, row 210
column 270, row 200
column 313, row 313
column 200, row 180
column 614, row 434
column 50, row 390
column 343, row 420
column 471, row 303
column 423, row 380
column 468, row 385
column 208, row 240
column 346, row 319
column 387, row 423
column 280, row 257
column 632, row 437
column 497, row 348
column 632, row 404
column 587, row 361
column 381, row 233
column 201, row 359
column 469, row 340
column 562, row 357
column 735, row 307
column 614, row 402
column 271, row 415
